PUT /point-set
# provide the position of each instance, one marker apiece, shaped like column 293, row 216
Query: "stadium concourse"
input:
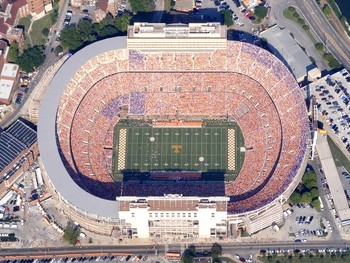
column 107, row 79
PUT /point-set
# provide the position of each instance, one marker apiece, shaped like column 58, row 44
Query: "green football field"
column 202, row 149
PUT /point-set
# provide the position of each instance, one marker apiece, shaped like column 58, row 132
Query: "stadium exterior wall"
column 255, row 221
column 102, row 216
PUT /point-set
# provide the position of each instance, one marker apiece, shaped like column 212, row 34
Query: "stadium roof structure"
column 15, row 140
column 50, row 156
column 288, row 51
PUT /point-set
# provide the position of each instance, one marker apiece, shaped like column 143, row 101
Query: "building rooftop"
column 283, row 45
column 15, row 140
column 332, row 176
column 5, row 88
column 9, row 70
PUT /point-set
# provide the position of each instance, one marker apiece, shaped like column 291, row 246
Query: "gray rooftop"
column 332, row 176
column 15, row 140
column 47, row 132
column 288, row 51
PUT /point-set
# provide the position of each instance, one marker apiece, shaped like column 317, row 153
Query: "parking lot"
column 332, row 94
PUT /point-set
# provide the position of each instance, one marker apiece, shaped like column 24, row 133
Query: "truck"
column 321, row 203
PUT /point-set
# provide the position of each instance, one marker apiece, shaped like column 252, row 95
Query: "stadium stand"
column 243, row 82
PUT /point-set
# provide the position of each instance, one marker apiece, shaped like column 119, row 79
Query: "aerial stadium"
column 173, row 131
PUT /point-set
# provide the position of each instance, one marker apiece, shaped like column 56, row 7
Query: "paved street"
column 338, row 46
column 231, row 248
column 277, row 8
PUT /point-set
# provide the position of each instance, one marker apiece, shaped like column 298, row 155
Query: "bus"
column 173, row 255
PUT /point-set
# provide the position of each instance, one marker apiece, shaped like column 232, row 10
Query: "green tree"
column 13, row 52
column 295, row 197
column 58, row 49
column 70, row 38
column 122, row 22
column 108, row 31
column 291, row 9
column 227, row 17
column 319, row 46
column 260, row 12
column 334, row 63
column 296, row 15
column 328, row 56
column 315, row 193
column 85, row 29
column 142, row 6
column 45, row 31
column 31, row 58
column 186, row 258
column 301, row 21
column 309, row 176
column 192, row 250
column 70, row 235
column 216, row 252
column 310, row 184
column 327, row 10
column 306, row 197
column 306, row 27
column 107, row 21
column 53, row 16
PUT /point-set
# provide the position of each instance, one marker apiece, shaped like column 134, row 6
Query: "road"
column 338, row 46
column 276, row 16
column 162, row 249
column 50, row 59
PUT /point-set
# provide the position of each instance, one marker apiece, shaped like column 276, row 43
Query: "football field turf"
column 202, row 149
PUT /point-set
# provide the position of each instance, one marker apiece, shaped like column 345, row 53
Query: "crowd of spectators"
column 245, row 83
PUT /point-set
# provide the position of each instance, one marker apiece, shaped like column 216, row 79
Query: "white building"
column 174, row 215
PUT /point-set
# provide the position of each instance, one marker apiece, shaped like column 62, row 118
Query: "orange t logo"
column 176, row 148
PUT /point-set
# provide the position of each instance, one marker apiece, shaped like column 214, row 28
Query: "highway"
column 338, row 46
column 162, row 249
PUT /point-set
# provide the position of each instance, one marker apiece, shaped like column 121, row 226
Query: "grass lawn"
column 339, row 157
column 36, row 34
column 24, row 22
column 289, row 15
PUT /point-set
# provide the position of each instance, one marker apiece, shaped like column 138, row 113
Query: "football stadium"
column 173, row 131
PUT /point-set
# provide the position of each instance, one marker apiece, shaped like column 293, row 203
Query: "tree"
column 334, row 63
column 306, row 197
column 295, row 197
column 296, row 15
column 291, row 9
column 316, row 203
column 70, row 235
column 216, row 251
column 122, row 22
column 309, row 176
column 53, row 16
column 142, row 6
column 315, row 193
column 327, row 10
column 260, row 12
column 306, row 27
column 328, row 56
column 192, row 250
column 227, row 17
column 45, row 31
column 310, row 184
column 108, row 31
column 31, row 58
column 319, row 47
column 13, row 52
column 301, row 21
column 58, row 49
column 85, row 28
column 70, row 38
column 107, row 21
